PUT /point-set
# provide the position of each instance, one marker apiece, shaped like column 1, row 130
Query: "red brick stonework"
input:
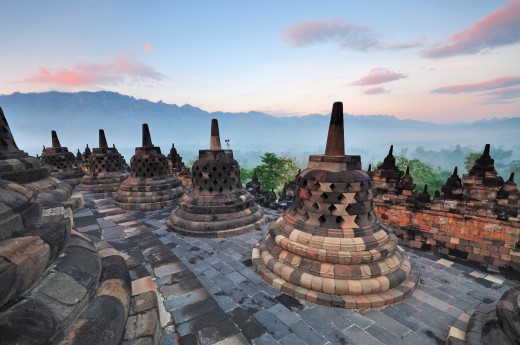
column 475, row 219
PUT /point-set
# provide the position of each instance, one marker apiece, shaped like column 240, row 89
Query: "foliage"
column 288, row 169
column 268, row 172
column 513, row 167
column 470, row 160
column 423, row 173
column 275, row 171
column 245, row 175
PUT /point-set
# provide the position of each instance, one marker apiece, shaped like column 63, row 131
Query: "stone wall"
column 475, row 219
column 441, row 228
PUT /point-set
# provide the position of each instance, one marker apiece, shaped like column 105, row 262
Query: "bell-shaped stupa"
column 17, row 166
column 453, row 187
column 106, row 169
column 329, row 247
column 217, row 205
column 387, row 176
column 63, row 163
column 482, row 182
column 53, row 279
column 150, row 186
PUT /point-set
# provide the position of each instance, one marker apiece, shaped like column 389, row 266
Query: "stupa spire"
column 102, row 140
column 147, row 139
column 486, row 150
column 55, row 140
column 214, row 143
column 336, row 138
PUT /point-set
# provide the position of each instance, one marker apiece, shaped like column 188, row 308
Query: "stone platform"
column 208, row 292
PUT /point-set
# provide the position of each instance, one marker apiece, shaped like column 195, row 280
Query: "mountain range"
column 78, row 116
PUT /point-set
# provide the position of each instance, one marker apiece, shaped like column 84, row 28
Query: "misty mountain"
column 78, row 116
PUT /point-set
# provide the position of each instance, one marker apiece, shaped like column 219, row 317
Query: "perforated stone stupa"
column 53, row 280
column 178, row 168
column 17, row 166
column 151, row 185
column 218, row 205
column 63, row 163
column 329, row 247
column 106, row 169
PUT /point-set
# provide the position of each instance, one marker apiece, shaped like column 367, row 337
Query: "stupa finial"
column 391, row 151
column 102, row 140
column 486, row 150
column 214, row 143
column 55, row 140
column 336, row 138
column 147, row 139
column 455, row 171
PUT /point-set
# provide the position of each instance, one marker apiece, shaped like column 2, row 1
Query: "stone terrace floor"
column 209, row 293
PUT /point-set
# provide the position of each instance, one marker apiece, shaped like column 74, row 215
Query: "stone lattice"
column 17, row 166
column 329, row 247
column 106, row 169
column 63, row 163
column 217, row 205
column 151, row 185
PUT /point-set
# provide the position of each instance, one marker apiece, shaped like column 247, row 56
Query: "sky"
column 433, row 60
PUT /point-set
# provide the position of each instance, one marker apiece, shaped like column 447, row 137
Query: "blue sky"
column 440, row 61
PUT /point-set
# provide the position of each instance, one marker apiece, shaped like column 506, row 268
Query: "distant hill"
column 78, row 116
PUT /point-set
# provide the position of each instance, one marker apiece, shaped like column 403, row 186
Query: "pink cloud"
column 116, row 71
column 505, row 95
column 483, row 86
column 499, row 28
column 379, row 75
column 406, row 45
column 338, row 31
column 376, row 90
column 148, row 47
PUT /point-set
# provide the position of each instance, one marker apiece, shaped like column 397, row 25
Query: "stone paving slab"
column 212, row 295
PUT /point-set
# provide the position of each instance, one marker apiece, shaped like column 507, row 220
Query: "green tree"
column 288, row 169
column 268, row 172
column 470, row 160
column 423, row 173
column 245, row 175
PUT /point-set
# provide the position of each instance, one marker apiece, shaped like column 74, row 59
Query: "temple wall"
column 453, row 232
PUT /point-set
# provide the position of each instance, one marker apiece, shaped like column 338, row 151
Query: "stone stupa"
column 178, row 168
column 329, row 247
column 53, row 279
column 151, row 185
column 106, row 169
column 387, row 176
column 482, row 182
column 63, row 163
column 17, row 166
column 217, row 205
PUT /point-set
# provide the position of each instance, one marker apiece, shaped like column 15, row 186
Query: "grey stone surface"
column 207, row 282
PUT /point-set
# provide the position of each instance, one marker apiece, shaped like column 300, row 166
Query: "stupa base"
column 103, row 186
column 50, row 192
column 333, row 290
column 147, row 194
column 206, row 229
